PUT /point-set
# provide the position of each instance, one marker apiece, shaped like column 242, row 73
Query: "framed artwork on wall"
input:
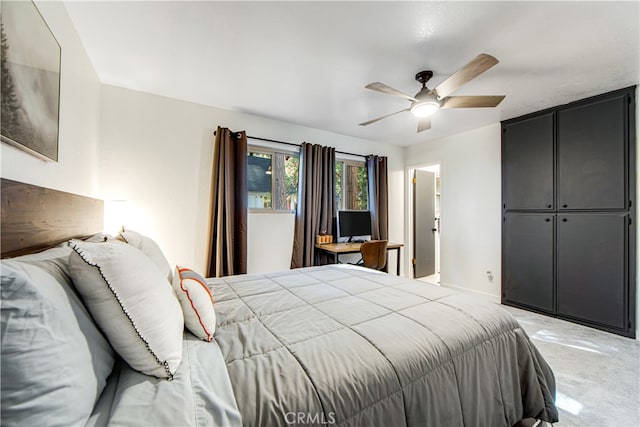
column 30, row 89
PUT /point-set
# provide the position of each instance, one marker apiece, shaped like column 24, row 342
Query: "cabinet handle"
column 564, row 219
column 564, row 205
column 547, row 219
column 549, row 206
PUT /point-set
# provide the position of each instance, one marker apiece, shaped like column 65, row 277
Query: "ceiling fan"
column 428, row 101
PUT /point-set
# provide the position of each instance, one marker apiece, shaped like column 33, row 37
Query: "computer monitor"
column 354, row 224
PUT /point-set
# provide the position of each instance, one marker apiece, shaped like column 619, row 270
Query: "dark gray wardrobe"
column 568, row 223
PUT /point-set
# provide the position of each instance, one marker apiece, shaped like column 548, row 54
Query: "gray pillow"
column 54, row 359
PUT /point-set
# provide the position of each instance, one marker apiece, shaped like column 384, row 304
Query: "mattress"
column 354, row 347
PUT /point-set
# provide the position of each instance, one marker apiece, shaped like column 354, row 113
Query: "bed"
column 329, row 345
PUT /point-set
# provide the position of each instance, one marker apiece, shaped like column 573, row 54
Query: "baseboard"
column 485, row 295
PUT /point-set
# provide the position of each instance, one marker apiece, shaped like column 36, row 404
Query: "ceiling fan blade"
column 477, row 66
column 471, row 101
column 368, row 122
column 381, row 87
column 424, row 123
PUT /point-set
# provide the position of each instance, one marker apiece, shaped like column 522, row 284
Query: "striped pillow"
column 196, row 301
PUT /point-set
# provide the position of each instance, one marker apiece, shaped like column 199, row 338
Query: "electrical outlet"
column 490, row 275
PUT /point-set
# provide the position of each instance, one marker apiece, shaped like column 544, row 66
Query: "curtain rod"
column 293, row 144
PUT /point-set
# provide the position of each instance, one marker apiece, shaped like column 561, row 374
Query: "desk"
column 336, row 249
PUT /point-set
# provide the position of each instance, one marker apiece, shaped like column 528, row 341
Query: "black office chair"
column 374, row 254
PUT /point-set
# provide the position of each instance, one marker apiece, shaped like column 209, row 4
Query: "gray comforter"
column 352, row 347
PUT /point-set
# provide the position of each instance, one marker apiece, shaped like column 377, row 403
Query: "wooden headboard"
column 35, row 218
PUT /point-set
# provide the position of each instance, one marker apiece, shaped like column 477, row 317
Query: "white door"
column 424, row 217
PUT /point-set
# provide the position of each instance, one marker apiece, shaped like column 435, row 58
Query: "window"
column 351, row 185
column 272, row 180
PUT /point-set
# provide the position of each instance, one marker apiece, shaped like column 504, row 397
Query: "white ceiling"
column 308, row 62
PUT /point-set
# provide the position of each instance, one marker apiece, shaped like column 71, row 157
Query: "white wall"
column 156, row 153
column 270, row 242
column 76, row 169
column 470, row 212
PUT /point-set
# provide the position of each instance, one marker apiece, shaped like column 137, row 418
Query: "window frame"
column 350, row 162
column 272, row 151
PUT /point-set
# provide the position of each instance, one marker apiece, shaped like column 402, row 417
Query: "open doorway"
column 426, row 223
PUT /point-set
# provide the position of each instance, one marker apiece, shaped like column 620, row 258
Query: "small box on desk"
column 323, row 239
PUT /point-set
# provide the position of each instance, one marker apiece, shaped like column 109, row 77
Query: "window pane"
column 272, row 181
column 285, row 175
column 355, row 187
column 259, row 173
column 351, row 186
column 291, row 166
column 339, row 180
column 363, row 189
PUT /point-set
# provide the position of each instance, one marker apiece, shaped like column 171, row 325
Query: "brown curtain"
column 378, row 196
column 316, row 209
column 228, row 244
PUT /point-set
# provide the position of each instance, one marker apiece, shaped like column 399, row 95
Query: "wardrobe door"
column 592, row 253
column 528, row 260
column 527, row 163
column 592, row 165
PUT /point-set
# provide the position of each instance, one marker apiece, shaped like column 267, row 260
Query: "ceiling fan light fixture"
column 425, row 109
column 428, row 101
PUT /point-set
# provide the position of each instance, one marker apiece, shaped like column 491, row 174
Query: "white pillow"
column 148, row 247
column 196, row 301
column 132, row 303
